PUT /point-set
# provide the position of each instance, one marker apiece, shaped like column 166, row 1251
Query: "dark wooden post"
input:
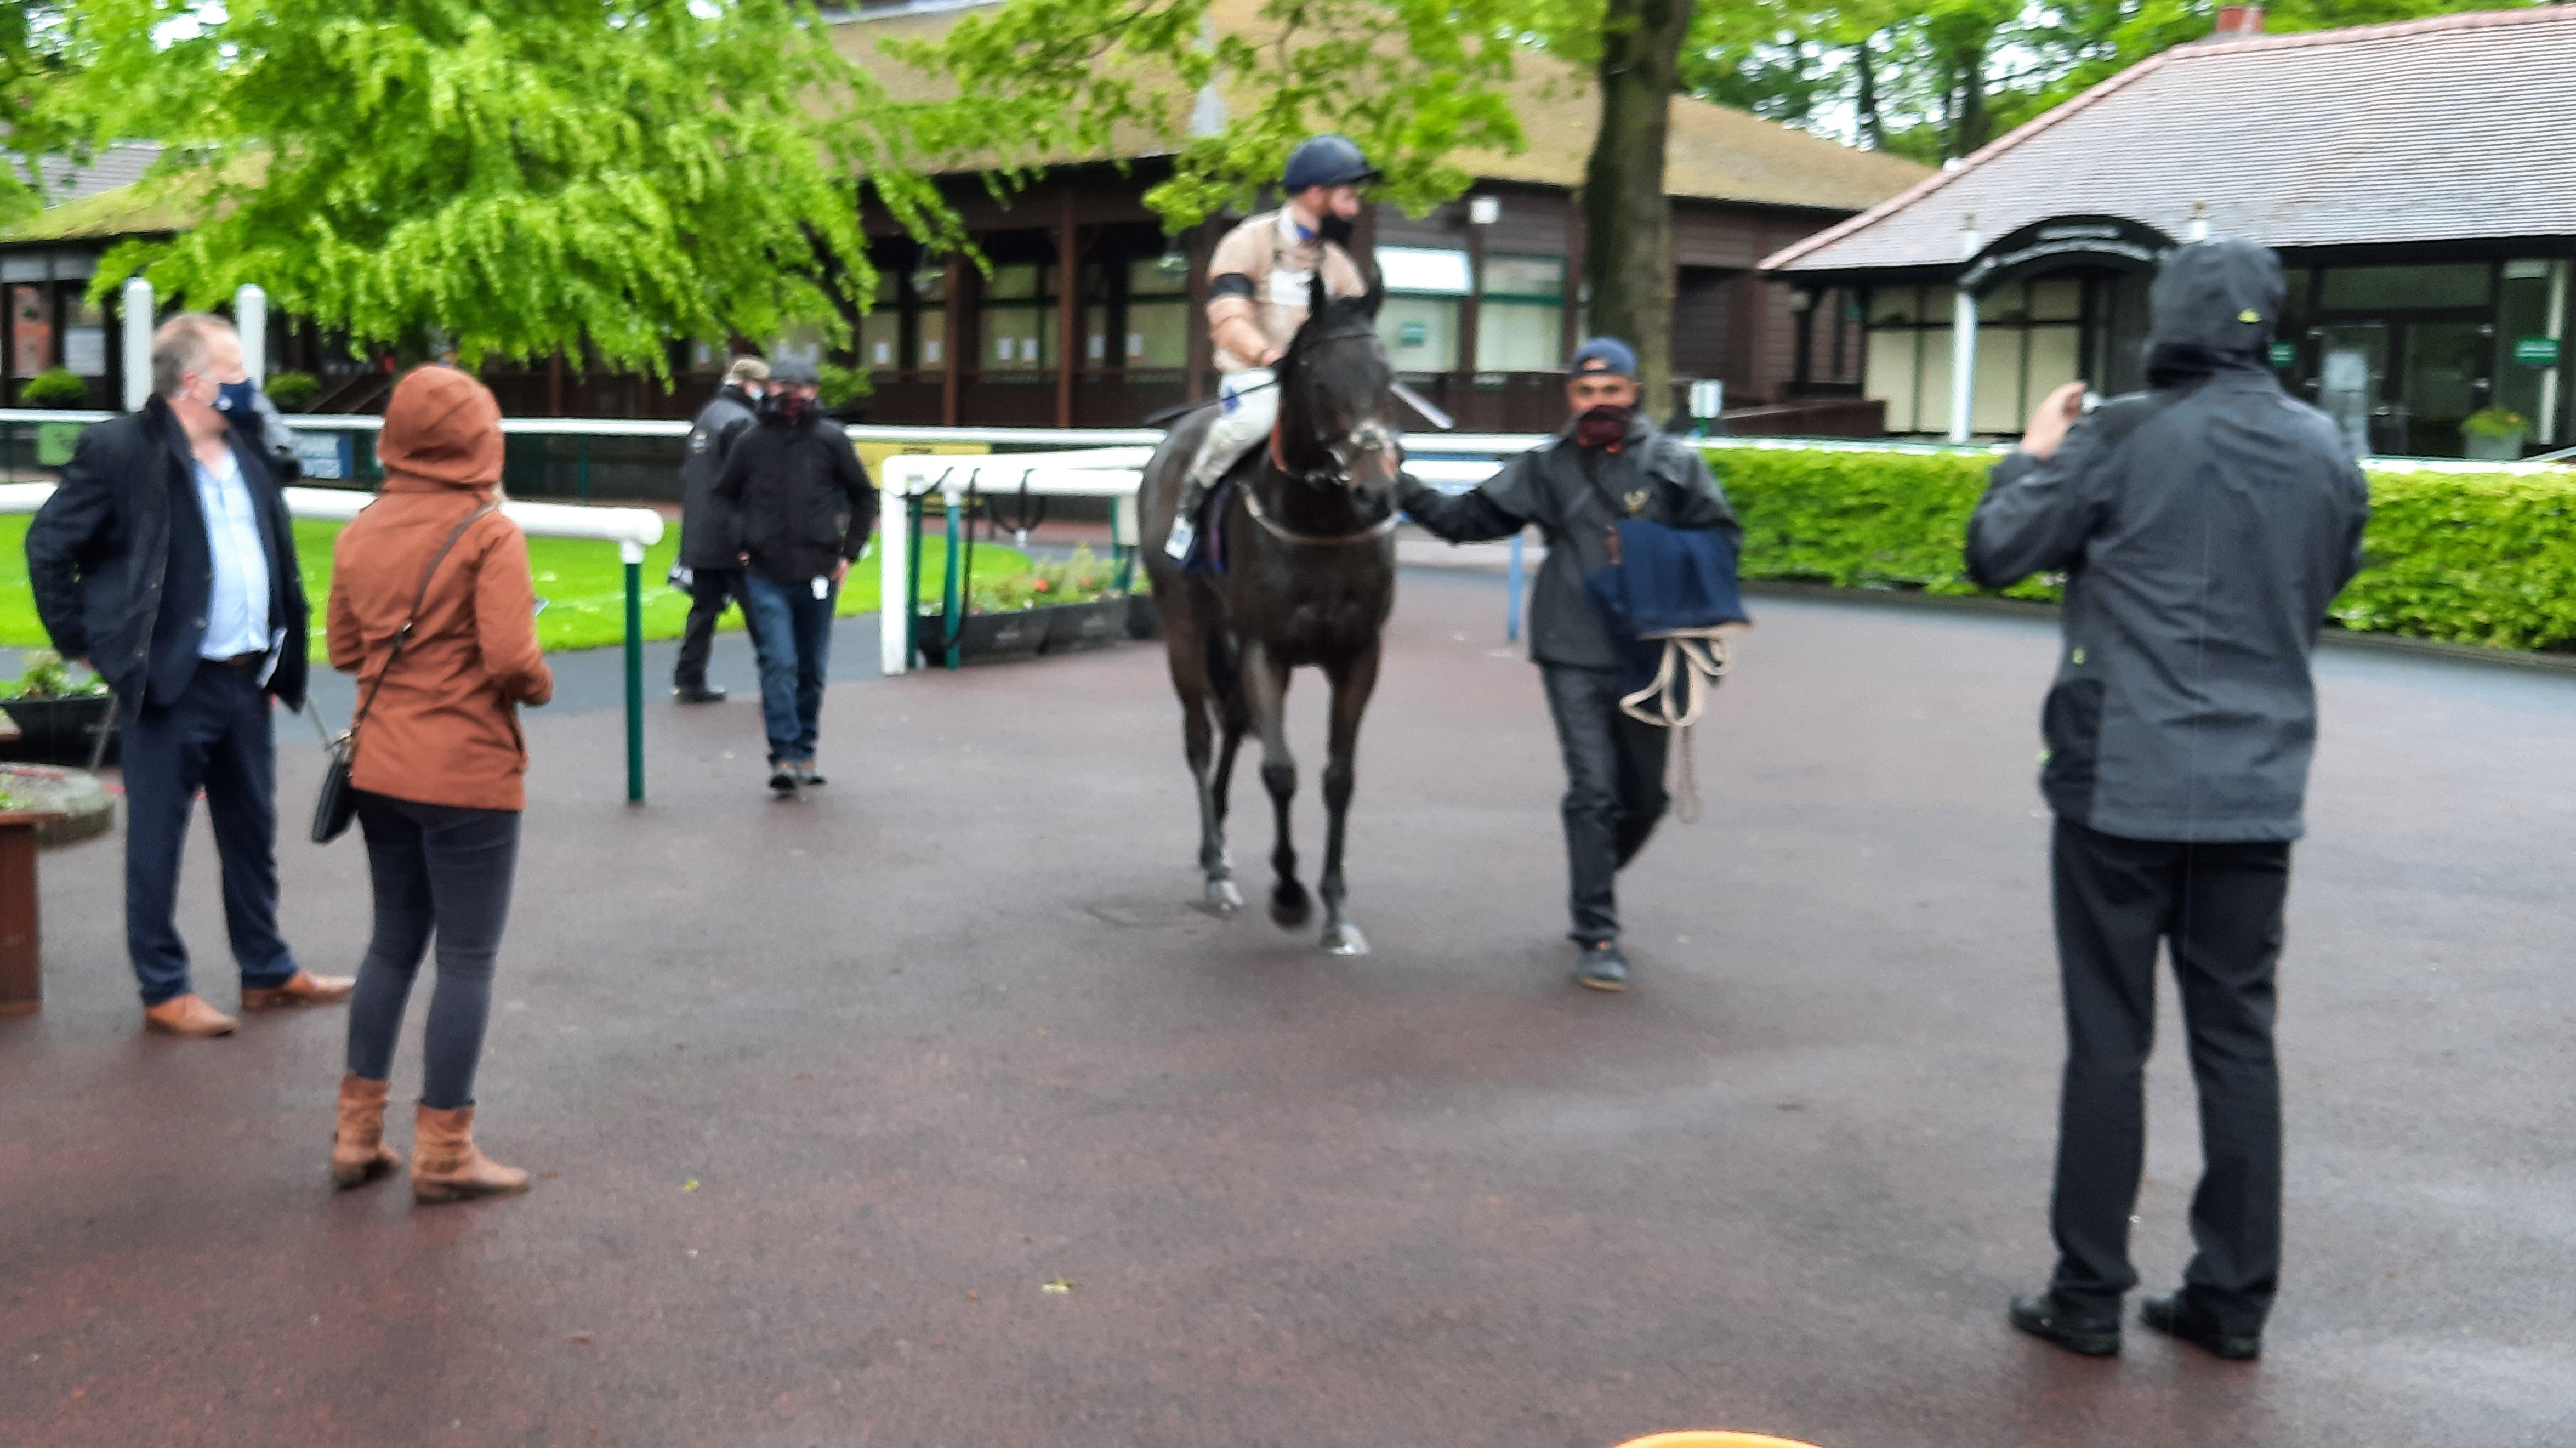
column 954, row 314
column 21, row 958
column 1068, row 314
column 1572, row 316
column 1471, row 308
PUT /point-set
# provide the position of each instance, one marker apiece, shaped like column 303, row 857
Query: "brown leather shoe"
column 446, row 1165
column 187, row 1015
column 358, row 1151
column 300, row 989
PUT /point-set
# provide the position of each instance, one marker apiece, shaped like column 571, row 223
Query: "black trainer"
column 2042, row 1316
column 1601, row 966
column 698, row 693
column 2167, row 1315
column 782, row 780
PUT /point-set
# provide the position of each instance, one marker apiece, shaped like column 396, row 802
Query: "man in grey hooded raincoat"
column 2203, row 527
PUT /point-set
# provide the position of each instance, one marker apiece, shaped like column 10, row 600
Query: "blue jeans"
column 792, row 631
column 216, row 737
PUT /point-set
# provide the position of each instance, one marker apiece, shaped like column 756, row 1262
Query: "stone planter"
column 1076, row 626
column 983, row 638
column 2489, row 447
column 1144, row 616
column 1055, row 628
column 60, row 731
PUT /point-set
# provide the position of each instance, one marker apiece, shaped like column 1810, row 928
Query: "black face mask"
column 1602, row 426
column 786, row 406
column 1335, row 229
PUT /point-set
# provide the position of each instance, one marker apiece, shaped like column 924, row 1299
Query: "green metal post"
column 952, row 599
column 633, row 553
column 912, row 587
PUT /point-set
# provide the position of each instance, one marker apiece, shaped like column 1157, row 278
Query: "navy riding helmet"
column 1327, row 160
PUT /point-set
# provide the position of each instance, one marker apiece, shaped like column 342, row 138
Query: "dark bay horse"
column 1309, row 549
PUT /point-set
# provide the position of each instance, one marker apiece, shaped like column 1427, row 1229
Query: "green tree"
column 34, row 63
column 1413, row 81
column 511, row 179
column 1940, row 79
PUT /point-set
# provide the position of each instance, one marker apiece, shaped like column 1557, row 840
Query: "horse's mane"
column 1340, row 317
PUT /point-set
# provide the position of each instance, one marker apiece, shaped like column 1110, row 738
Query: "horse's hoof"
column 1344, row 939
column 1222, row 898
column 1288, row 905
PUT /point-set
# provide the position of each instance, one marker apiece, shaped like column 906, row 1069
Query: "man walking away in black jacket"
column 1609, row 463
column 167, row 560
column 710, row 553
column 2204, row 527
column 802, row 502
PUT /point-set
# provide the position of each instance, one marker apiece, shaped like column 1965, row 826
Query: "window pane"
column 1422, row 271
column 1891, row 375
column 931, row 335
column 1998, row 406
column 2056, row 358
column 1421, row 333
column 1167, row 275
column 1932, row 414
column 1518, row 337
column 881, row 340
column 2057, row 299
column 2005, row 304
column 2397, row 288
column 1158, row 334
column 1525, row 276
column 1018, row 339
column 1015, row 282
column 2522, row 317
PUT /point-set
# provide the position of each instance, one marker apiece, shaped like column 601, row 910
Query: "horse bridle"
column 1337, row 475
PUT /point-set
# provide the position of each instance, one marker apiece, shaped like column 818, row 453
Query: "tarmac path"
column 824, row 1095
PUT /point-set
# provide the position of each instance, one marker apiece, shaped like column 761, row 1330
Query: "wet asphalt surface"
column 948, row 1032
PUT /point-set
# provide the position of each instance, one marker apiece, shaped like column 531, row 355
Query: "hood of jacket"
column 2214, row 307
column 443, row 429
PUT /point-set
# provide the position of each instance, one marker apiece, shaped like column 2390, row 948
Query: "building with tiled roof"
column 2415, row 177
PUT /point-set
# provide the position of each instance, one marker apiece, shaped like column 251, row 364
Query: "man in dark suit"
column 167, row 560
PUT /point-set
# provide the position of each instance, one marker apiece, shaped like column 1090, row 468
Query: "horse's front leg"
column 1353, row 682
column 1265, row 681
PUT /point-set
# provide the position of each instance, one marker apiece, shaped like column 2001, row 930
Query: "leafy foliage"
column 1082, row 577
column 842, row 386
column 519, row 178
column 53, row 387
column 1941, row 78
column 48, row 677
column 292, row 391
column 1413, row 81
column 2474, row 558
column 34, row 61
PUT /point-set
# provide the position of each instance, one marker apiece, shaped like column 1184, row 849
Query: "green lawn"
column 583, row 583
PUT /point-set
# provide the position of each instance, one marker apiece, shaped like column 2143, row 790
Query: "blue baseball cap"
column 1604, row 354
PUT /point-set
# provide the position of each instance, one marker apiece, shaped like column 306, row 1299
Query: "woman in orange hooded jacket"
column 437, row 764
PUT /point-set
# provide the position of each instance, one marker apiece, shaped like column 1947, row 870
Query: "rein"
column 1319, row 477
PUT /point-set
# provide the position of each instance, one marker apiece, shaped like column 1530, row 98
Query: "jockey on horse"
column 1260, row 284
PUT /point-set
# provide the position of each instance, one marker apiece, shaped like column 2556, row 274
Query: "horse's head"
column 1336, row 415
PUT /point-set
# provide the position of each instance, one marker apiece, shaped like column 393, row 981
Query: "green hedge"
column 2478, row 558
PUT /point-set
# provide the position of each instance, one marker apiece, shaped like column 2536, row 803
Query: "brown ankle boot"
column 446, row 1165
column 358, row 1151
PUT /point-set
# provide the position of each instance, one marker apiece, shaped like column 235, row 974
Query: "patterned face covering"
column 1603, row 426
column 786, row 406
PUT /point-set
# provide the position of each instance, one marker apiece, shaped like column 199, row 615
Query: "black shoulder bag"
column 337, row 804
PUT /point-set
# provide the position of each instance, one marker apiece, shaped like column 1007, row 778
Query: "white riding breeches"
column 1250, row 407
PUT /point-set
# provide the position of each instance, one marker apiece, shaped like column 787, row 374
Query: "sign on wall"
column 2536, row 351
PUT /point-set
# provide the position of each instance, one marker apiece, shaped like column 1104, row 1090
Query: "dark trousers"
column 792, row 631
column 710, row 591
column 437, row 868
column 2217, row 908
column 216, row 737
column 1614, row 791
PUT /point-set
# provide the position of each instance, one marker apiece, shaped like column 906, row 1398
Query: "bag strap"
column 402, row 635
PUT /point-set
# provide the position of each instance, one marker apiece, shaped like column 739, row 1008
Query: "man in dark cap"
column 801, row 500
column 1609, row 463
column 710, row 555
column 2204, row 526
